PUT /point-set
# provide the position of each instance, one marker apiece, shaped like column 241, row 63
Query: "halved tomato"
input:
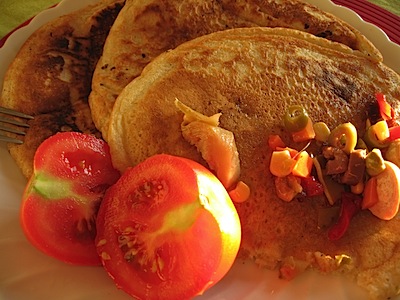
column 167, row 229
column 71, row 174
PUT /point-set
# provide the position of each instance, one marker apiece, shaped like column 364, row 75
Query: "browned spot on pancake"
column 325, row 34
column 341, row 85
column 51, row 76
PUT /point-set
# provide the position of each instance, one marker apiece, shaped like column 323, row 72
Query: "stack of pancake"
column 50, row 77
column 248, row 60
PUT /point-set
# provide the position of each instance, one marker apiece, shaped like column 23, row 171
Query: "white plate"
column 26, row 273
column 389, row 50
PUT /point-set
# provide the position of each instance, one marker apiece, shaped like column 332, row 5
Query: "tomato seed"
column 102, row 243
column 150, row 190
column 105, row 256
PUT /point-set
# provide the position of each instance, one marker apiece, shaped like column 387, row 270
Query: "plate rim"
column 16, row 39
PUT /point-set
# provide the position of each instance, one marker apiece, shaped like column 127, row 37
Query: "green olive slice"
column 374, row 162
column 296, row 118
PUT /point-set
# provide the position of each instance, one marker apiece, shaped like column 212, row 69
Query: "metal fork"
column 17, row 120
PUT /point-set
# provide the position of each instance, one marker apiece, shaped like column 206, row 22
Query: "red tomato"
column 167, row 229
column 60, row 203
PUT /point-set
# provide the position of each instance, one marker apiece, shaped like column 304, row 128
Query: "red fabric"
column 3, row 40
column 387, row 21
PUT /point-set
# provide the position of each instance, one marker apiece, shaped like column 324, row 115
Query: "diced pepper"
column 306, row 134
column 274, row 141
column 370, row 194
column 304, row 164
column 293, row 152
column 296, row 118
column 281, row 163
column 322, row 132
column 311, row 186
column 381, row 130
column 377, row 135
column 240, row 193
column 288, row 187
column 394, row 133
column 350, row 206
column 385, row 110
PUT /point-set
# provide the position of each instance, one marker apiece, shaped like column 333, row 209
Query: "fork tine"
column 12, row 112
column 12, row 130
column 15, row 124
column 10, row 140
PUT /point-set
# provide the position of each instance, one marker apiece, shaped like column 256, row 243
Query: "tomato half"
column 167, row 229
column 71, row 174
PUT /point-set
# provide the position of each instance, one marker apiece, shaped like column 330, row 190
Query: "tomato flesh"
column 167, row 229
column 61, row 200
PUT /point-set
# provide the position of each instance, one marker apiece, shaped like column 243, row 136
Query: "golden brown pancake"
column 144, row 29
column 251, row 76
column 50, row 78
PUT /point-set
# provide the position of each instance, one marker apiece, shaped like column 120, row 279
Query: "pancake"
column 50, row 77
column 251, row 76
column 144, row 29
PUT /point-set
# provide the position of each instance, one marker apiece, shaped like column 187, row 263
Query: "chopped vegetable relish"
column 351, row 171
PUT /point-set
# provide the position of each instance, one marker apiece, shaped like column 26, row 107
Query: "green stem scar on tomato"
column 58, row 214
column 180, row 219
column 51, row 187
column 167, row 229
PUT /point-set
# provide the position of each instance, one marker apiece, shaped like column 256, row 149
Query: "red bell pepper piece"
column 394, row 133
column 350, row 206
column 311, row 186
column 385, row 110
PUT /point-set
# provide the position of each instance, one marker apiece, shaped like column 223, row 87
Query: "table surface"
column 13, row 13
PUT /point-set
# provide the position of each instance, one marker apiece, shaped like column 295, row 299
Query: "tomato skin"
column 60, row 202
column 47, row 226
column 182, row 236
